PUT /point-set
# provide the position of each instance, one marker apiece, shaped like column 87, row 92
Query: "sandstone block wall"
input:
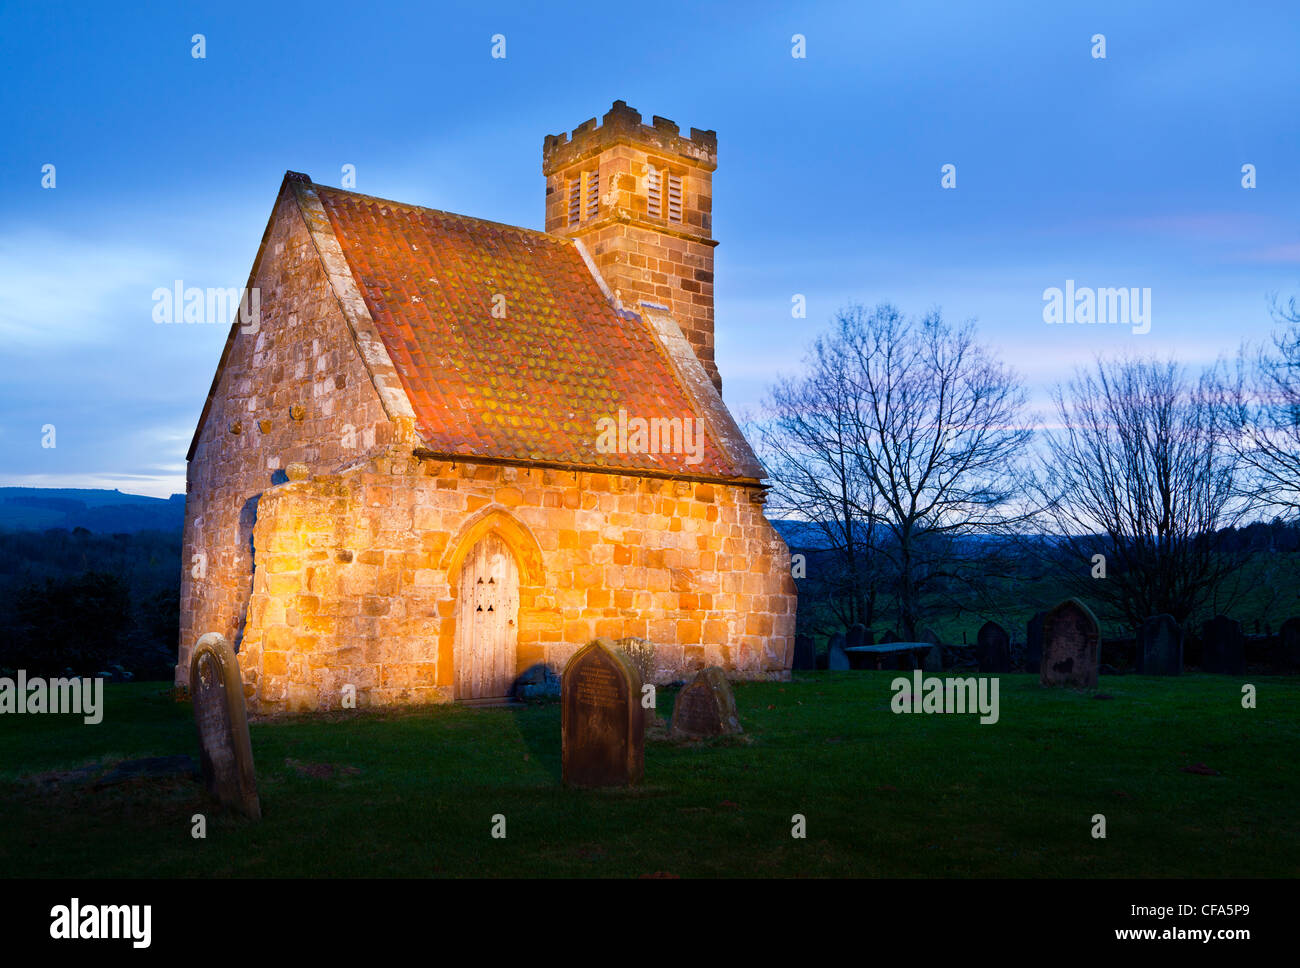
column 356, row 576
column 295, row 390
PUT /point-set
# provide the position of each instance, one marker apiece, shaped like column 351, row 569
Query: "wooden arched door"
column 487, row 621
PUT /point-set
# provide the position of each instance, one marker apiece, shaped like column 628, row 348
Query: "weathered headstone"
column 225, row 753
column 837, row 660
column 1160, row 647
column 888, row 638
column 602, row 719
column 1223, row 646
column 993, row 648
column 933, row 658
column 857, row 636
column 1289, row 643
column 805, row 653
column 1071, row 639
column 1034, row 642
column 705, row 707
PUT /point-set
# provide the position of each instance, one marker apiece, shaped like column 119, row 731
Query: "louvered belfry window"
column 575, row 200
column 674, row 197
column 654, row 200
column 593, row 194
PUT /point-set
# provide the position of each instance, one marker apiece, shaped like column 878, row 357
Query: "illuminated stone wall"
column 355, row 578
column 294, row 390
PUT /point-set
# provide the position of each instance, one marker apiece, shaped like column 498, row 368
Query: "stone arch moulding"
column 520, row 541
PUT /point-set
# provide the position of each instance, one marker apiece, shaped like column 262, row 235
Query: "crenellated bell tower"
column 640, row 199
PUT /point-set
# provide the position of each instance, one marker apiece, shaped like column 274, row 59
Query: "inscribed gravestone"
column 705, row 707
column 1223, row 646
column 1070, row 646
column 602, row 720
column 1034, row 642
column 993, row 648
column 837, row 660
column 1160, row 647
column 226, row 754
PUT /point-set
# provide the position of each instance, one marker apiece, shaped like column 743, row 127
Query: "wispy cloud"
column 57, row 289
column 1287, row 253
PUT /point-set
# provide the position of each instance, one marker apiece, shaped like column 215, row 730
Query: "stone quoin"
column 395, row 492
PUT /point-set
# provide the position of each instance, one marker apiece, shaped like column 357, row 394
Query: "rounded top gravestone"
column 993, row 648
column 602, row 719
column 1071, row 638
column 1223, row 646
column 1160, row 647
column 226, row 754
column 705, row 707
column 805, row 653
column 1034, row 642
column 934, row 658
column 837, row 660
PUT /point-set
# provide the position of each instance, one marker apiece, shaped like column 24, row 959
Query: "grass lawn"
column 414, row 793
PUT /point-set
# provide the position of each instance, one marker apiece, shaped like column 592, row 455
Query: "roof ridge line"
column 442, row 211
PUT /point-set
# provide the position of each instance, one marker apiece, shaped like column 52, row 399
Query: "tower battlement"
column 640, row 198
column 622, row 124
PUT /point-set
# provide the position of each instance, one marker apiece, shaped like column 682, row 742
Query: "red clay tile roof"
column 532, row 385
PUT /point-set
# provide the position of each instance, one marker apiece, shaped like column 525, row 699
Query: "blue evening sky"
column 1117, row 172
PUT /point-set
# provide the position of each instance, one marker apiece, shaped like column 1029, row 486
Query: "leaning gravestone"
column 705, row 707
column 993, row 648
column 1223, row 646
column 602, row 720
column 1034, row 642
column 225, row 752
column 1160, row 647
column 1070, row 646
column 837, row 660
column 1289, row 643
column 805, row 653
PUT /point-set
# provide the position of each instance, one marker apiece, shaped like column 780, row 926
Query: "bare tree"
column 805, row 439
column 938, row 434
column 1261, row 414
column 1140, row 474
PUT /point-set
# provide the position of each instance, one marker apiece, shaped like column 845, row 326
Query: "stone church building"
column 447, row 452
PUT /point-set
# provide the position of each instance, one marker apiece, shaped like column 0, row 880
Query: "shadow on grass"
column 538, row 726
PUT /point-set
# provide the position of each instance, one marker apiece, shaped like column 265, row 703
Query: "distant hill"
column 100, row 511
column 800, row 534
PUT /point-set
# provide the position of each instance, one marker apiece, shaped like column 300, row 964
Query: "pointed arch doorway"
column 487, row 621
